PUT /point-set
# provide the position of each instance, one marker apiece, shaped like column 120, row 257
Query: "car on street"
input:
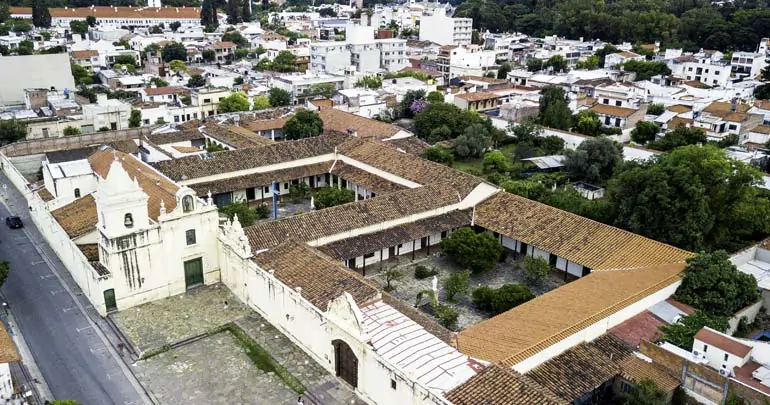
column 13, row 222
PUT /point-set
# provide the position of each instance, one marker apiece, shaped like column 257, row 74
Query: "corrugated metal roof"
column 547, row 162
column 413, row 350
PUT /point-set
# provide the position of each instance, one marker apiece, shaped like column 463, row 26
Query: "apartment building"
column 360, row 50
column 445, row 30
column 467, row 60
column 747, row 63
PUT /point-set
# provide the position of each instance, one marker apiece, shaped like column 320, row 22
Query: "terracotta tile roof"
column 264, row 125
column 263, row 179
column 632, row 368
column 496, row 385
column 157, row 187
column 234, row 136
column 744, row 374
column 160, row 91
column 367, row 180
column 575, row 238
column 338, row 120
column 118, row 12
column 575, row 372
column 722, row 342
column 761, row 129
column 477, row 96
column 45, row 195
column 8, row 352
column 490, row 80
column 187, row 149
column 677, row 121
column 90, row 251
column 722, row 108
column 412, row 144
column 604, row 109
column 681, row 306
column 358, row 246
column 679, row 108
column 526, row 330
column 88, row 54
column 407, row 166
column 179, row 136
column 335, row 220
column 321, row 278
column 222, row 45
column 192, row 167
column 272, row 36
column 78, row 217
column 736, row 117
column 643, row 326
column 627, row 54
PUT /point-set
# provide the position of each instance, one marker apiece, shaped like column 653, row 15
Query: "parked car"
column 14, row 222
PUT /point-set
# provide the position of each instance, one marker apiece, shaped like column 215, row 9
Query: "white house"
column 619, row 58
column 722, row 351
column 445, row 30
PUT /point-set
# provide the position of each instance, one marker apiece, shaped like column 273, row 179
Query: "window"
column 617, row 122
column 146, row 122
column 726, row 356
column 128, row 221
column 606, row 101
column 618, row 103
column 206, row 100
column 285, row 186
column 190, row 236
column 187, row 203
column 705, row 348
column 392, row 383
column 77, row 193
column 368, row 255
column 732, row 126
column 45, row 132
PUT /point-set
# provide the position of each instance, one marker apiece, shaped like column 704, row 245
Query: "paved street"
column 73, row 354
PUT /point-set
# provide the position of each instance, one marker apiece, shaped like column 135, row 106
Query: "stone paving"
column 214, row 370
column 174, row 319
column 323, row 387
column 510, row 271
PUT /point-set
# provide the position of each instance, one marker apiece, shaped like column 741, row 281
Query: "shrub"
column 422, row 272
column 499, row 300
column 446, row 315
column 262, row 211
column 477, row 252
column 535, row 269
column 655, row 109
column 457, row 283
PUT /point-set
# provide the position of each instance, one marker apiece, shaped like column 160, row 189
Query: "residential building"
column 445, row 30
column 720, row 119
column 360, row 50
column 207, row 100
column 468, row 60
column 224, row 50
column 619, row 58
column 168, row 95
column 747, row 64
column 87, row 59
column 707, row 67
column 108, row 16
column 300, row 86
column 107, row 113
column 619, row 117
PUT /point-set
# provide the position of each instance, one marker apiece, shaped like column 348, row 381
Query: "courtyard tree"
column 682, row 332
column 713, row 284
column 299, row 191
column 209, row 55
column 174, row 51
column 404, row 107
column 177, row 65
column 473, row 142
column 437, row 115
column 644, row 131
column 477, row 252
column 79, row 27
column 536, row 269
column 278, row 97
column 680, row 136
column 135, row 120
column 304, row 124
column 246, row 215
column 499, row 300
column 234, row 102
column 594, row 160
column 554, row 109
column 391, row 275
column 236, row 38
column 175, row 26
column 456, row 284
column 41, row 17
column 209, row 19
column 330, row 196
column 260, row 103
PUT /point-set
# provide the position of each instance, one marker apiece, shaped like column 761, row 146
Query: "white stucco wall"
column 6, row 383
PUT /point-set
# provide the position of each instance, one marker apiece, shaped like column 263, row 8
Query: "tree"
column 680, row 136
column 234, row 102
column 502, row 72
column 12, row 131
column 682, row 332
column 404, row 107
column 246, row 215
column 656, row 109
column 554, row 109
column 439, row 154
column 456, row 284
column 304, row 124
column 478, row 252
column 236, row 38
column 278, row 97
column 285, row 61
column 693, row 197
column 135, row 120
column 473, row 142
column 79, row 27
column 4, row 269
column 551, row 145
column 645, row 70
column 70, row 131
column 330, row 196
column 322, row 89
column 234, row 10
column 714, row 285
column 209, row 15
column 5, row 12
column 260, row 103
column 495, row 161
column 246, row 10
column 588, row 123
column 175, row 25
column 602, row 53
column 591, row 62
column 391, row 275
column 80, row 74
column 762, row 92
column 645, row 131
column 594, row 160
column 156, row 30
column 299, row 191
column 158, row 82
column 209, row 55
column 177, row 65
column 437, row 115
column 327, row 12
column 535, row 65
column 125, row 60
column 498, row 300
column 25, row 47
column 557, row 62
column 41, row 17
column 536, row 269
column 435, row 97
column 369, row 82
column 196, row 81
column 646, row 392
column 174, row 51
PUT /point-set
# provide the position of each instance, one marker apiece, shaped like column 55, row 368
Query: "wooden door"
column 109, row 300
column 193, row 273
column 346, row 363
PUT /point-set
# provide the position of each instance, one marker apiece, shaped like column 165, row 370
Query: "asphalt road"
column 77, row 359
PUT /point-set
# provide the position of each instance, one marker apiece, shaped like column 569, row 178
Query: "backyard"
column 510, row 271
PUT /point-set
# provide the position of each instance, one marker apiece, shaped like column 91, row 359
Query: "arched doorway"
column 345, row 363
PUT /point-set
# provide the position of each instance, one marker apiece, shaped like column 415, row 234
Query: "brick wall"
column 668, row 360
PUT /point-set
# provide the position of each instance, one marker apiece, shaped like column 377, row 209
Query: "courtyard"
column 511, row 271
